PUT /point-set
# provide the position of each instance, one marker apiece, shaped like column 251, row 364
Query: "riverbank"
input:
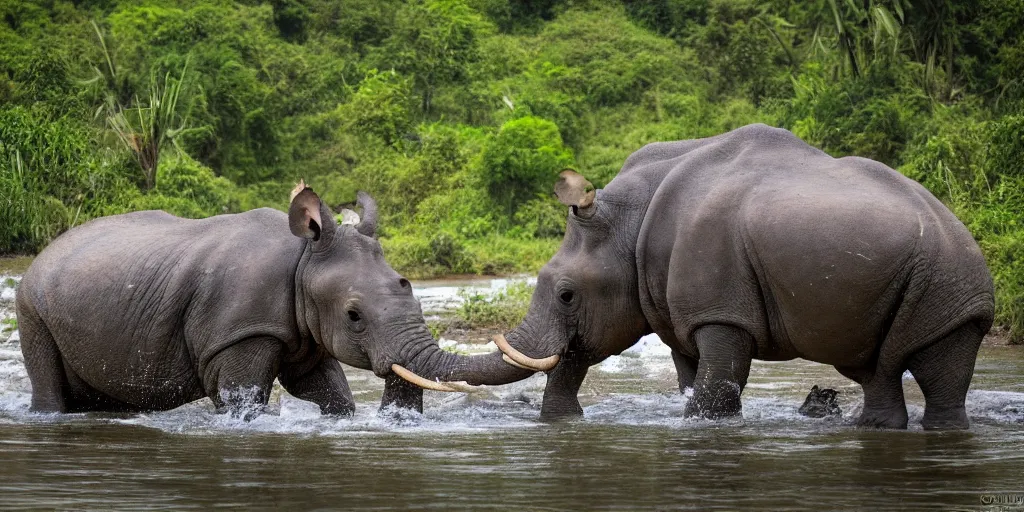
column 14, row 265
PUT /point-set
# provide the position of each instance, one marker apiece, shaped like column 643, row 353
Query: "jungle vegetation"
column 457, row 114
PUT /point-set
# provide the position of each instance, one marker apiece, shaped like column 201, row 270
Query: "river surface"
column 488, row 450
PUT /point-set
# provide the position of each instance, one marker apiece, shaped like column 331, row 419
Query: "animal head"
column 587, row 296
column 350, row 300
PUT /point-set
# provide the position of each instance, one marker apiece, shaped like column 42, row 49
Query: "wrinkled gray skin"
column 147, row 311
column 755, row 245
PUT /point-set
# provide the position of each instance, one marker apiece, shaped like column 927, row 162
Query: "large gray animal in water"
column 147, row 311
column 755, row 245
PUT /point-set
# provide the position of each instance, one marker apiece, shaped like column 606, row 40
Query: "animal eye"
column 566, row 297
column 403, row 282
column 353, row 315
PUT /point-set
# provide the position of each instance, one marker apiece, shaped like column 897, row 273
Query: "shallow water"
column 487, row 449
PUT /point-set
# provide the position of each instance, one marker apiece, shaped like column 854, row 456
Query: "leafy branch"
column 145, row 129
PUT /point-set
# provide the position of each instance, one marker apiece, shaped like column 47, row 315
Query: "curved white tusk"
column 448, row 387
column 540, row 365
column 509, row 360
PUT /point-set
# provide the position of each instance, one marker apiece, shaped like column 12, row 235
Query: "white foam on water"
column 626, row 409
column 297, row 417
column 492, row 409
column 615, row 364
column 15, row 390
column 436, row 299
column 774, row 386
column 996, row 406
column 466, row 348
column 649, row 355
column 666, row 410
column 649, row 346
column 8, row 285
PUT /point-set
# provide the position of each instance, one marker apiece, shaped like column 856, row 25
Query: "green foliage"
column 1005, row 255
column 8, row 325
column 499, row 254
column 184, row 181
column 996, row 221
column 292, row 19
column 873, row 115
column 543, row 217
column 381, row 106
column 523, row 160
column 434, row 42
column 51, row 178
column 1007, row 146
column 145, row 131
column 30, row 216
column 963, row 159
column 502, row 310
column 743, row 46
column 415, row 256
column 442, row 253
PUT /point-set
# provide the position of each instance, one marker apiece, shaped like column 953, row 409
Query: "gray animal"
column 821, row 402
column 755, row 245
column 147, row 311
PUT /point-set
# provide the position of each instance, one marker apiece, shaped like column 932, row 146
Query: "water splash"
column 8, row 287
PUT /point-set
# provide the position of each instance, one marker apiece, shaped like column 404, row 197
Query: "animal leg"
column 81, row 397
column 324, row 385
column 239, row 378
column 884, row 406
column 561, row 398
column 402, row 394
column 44, row 365
column 722, row 371
column 944, row 370
column 686, row 370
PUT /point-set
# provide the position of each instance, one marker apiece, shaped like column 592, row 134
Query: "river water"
column 488, row 450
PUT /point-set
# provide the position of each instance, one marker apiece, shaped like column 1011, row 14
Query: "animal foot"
column 894, row 418
column 556, row 410
column 243, row 402
column 714, row 400
column 947, row 419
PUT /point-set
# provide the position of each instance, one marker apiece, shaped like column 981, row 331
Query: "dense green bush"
column 184, row 180
column 51, row 178
column 502, row 310
column 381, row 106
column 521, row 159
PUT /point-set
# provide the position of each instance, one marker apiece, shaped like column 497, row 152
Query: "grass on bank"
column 499, row 312
column 444, row 254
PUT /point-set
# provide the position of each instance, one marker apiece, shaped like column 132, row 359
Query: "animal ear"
column 573, row 189
column 308, row 217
